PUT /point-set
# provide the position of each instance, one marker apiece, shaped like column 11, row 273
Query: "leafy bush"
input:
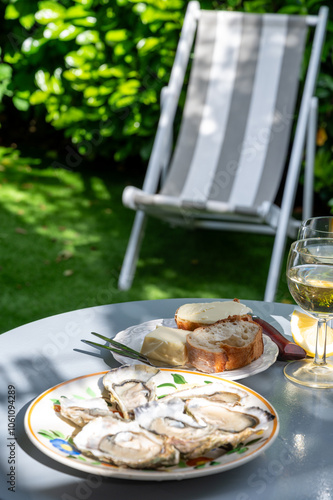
column 95, row 68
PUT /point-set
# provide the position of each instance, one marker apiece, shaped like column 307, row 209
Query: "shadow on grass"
column 64, row 235
column 180, row 262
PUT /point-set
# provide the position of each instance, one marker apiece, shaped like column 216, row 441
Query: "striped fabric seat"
column 236, row 124
column 234, row 139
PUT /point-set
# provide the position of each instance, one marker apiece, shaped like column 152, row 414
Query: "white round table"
column 39, row 355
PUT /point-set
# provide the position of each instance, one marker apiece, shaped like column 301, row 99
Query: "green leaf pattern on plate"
column 91, row 393
column 167, row 384
column 178, row 379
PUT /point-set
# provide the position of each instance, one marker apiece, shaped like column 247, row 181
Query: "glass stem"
column 320, row 356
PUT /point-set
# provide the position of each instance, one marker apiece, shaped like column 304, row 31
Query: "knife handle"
column 287, row 350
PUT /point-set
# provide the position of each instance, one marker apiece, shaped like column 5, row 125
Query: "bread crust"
column 218, row 355
column 186, row 324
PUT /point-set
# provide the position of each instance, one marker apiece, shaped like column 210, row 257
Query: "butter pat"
column 210, row 312
column 166, row 344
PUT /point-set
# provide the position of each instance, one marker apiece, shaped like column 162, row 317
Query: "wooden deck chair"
column 231, row 150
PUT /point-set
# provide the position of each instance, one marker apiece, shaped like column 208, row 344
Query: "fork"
column 126, row 351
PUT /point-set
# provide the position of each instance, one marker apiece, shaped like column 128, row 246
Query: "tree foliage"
column 95, row 68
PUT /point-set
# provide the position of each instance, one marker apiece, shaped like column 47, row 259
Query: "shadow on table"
column 101, row 353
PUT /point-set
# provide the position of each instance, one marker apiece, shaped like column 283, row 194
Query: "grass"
column 63, row 236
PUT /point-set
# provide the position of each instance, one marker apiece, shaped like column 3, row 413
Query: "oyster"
column 131, row 386
column 81, row 411
column 124, row 443
column 167, row 418
column 235, row 423
column 216, row 391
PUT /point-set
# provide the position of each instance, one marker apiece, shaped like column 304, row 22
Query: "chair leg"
column 132, row 252
column 310, row 159
column 287, row 203
column 275, row 266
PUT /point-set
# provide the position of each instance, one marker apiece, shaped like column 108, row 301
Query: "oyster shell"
column 167, row 418
column 81, row 411
column 235, row 423
column 216, row 391
column 124, row 443
column 156, row 432
column 131, row 386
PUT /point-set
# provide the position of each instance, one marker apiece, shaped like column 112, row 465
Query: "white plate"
column 134, row 335
column 51, row 434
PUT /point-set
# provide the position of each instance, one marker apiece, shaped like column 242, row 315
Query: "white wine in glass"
column 310, row 282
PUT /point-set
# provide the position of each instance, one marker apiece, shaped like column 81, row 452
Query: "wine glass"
column 310, row 282
column 316, row 227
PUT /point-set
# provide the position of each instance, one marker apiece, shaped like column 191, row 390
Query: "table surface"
column 39, row 355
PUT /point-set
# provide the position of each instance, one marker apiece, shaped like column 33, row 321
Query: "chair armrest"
column 128, row 197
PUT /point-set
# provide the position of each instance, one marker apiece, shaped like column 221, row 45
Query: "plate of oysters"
column 215, row 337
column 145, row 423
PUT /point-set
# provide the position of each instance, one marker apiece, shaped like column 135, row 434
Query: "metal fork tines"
column 124, row 350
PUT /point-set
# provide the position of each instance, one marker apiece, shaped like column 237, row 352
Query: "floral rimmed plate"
column 53, row 436
column 134, row 336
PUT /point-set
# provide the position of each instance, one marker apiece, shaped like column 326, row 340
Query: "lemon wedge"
column 304, row 331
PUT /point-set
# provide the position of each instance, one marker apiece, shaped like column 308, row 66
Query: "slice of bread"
column 191, row 316
column 228, row 344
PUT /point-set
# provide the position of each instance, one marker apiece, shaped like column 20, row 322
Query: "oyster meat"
column 234, row 423
column 81, row 411
column 167, row 418
column 216, row 391
column 124, row 443
column 131, row 386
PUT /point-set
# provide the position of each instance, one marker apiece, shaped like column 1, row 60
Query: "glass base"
column 305, row 372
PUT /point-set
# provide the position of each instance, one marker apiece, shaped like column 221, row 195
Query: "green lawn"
column 63, row 236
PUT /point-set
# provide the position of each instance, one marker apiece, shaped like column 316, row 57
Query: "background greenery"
column 80, row 82
column 94, row 69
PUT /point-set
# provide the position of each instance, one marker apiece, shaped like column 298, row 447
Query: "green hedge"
column 95, row 69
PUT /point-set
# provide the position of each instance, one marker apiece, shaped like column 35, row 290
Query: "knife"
column 287, row 350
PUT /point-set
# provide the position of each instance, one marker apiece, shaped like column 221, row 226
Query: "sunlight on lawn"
column 52, row 202
column 56, row 229
column 64, row 234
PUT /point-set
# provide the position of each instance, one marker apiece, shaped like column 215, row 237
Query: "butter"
column 166, row 344
column 210, row 312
